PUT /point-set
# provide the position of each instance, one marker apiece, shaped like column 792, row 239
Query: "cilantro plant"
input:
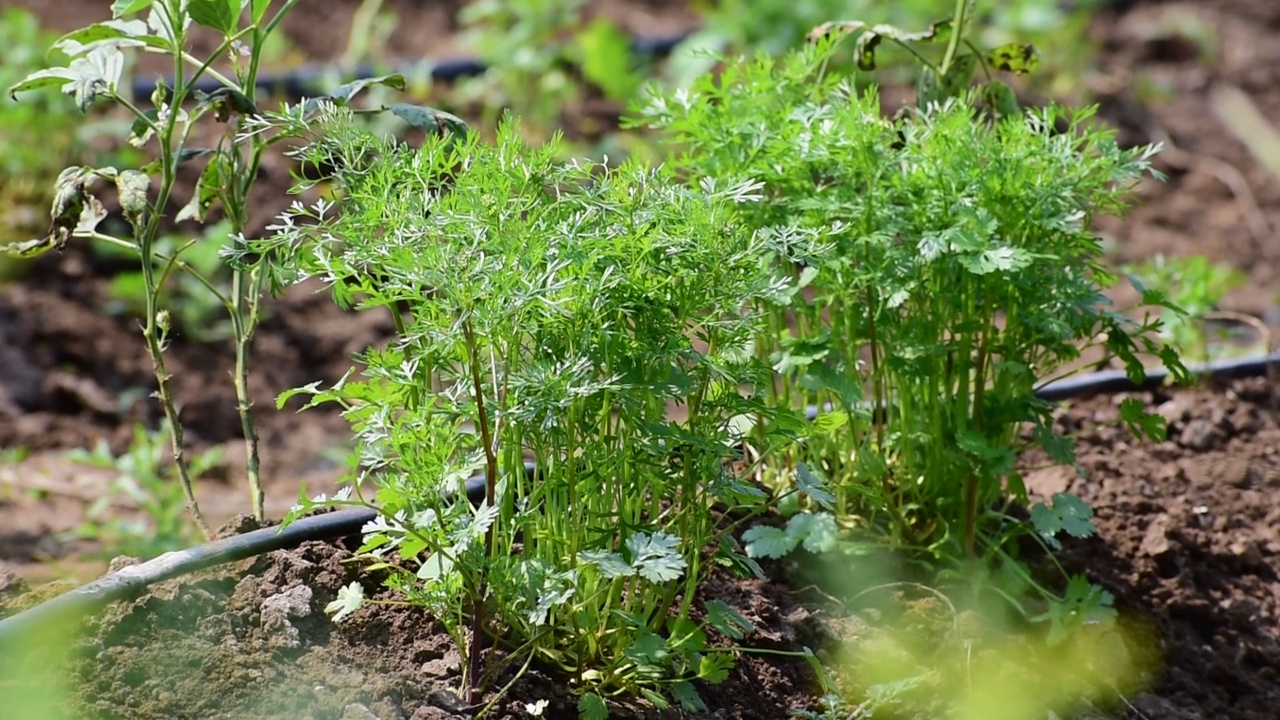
column 169, row 127
column 1196, row 286
column 596, row 322
column 945, row 267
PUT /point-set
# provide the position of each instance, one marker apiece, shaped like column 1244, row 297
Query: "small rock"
column 121, row 562
column 1175, row 410
column 450, row 664
column 1198, row 435
column 1155, row 542
column 1247, row 552
column 356, row 711
column 278, row 610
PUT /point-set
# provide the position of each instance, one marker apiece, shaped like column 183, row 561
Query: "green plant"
column 40, row 137
column 145, row 481
column 195, row 312
column 553, row 312
column 230, row 170
column 1195, row 286
column 774, row 26
column 540, row 54
column 94, row 73
column 947, row 267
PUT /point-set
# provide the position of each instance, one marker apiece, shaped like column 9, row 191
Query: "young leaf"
column 592, row 707
column 688, row 697
column 714, row 668
column 769, row 542
column 1142, row 423
column 728, row 621
column 350, row 598
column 220, row 15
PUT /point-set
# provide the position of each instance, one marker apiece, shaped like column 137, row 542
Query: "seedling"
column 143, row 482
column 169, row 127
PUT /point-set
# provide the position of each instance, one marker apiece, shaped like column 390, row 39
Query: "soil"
column 1187, row 529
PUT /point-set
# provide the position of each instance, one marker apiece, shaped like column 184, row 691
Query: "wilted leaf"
column 341, row 96
column 429, row 119
column 1016, row 58
column 869, row 40
column 226, row 102
column 132, row 187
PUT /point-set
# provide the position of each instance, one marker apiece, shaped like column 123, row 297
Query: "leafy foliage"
column 550, row 311
column 947, row 263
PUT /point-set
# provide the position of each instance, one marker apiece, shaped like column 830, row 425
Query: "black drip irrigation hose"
column 309, row 79
column 132, row 581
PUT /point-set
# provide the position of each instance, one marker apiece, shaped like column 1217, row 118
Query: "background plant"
column 947, row 268
column 41, row 137
column 543, row 56
column 230, row 169
column 775, row 26
column 144, row 486
column 554, row 312
column 1196, row 286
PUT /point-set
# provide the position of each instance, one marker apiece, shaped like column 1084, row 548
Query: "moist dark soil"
column 1187, row 540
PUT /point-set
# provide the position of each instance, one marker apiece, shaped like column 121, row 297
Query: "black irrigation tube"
column 131, row 581
column 309, row 79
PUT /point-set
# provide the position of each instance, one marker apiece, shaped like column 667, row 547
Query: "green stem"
column 957, row 29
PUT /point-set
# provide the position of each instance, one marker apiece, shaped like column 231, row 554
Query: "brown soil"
column 1187, row 528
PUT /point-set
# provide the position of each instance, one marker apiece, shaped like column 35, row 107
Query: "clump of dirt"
column 253, row 640
column 1189, row 538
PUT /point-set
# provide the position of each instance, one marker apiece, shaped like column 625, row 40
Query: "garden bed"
column 1186, row 540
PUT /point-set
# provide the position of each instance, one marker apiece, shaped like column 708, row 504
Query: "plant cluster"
column 144, row 481
column 948, row 268
column 853, row 310
column 557, row 314
column 1196, row 286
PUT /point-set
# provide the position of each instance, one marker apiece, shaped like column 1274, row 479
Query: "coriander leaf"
column 688, row 697
column 1140, row 422
column 728, row 621
column 610, row 564
column 1076, row 515
column 648, row 649
column 814, row 486
column 768, row 541
column 714, row 668
column 656, row 557
column 592, row 707
column 350, row 598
